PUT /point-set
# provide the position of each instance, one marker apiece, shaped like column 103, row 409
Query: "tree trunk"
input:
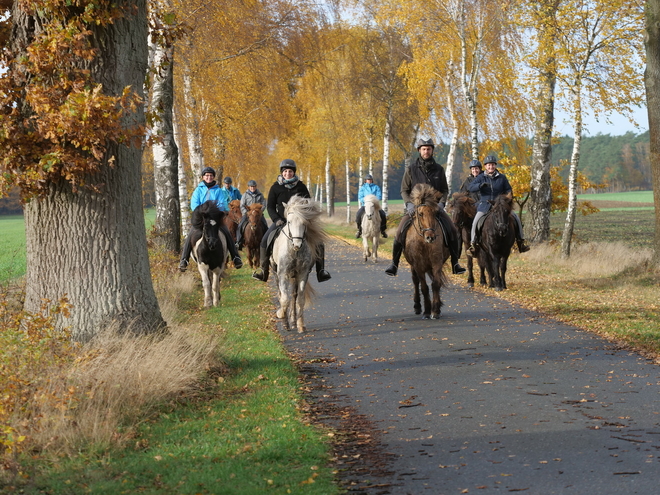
column 91, row 246
column 540, row 197
column 164, row 148
column 327, row 181
column 348, row 191
column 387, row 136
column 195, row 150
column 652, row 84
column 569, row 225
column 184, row 202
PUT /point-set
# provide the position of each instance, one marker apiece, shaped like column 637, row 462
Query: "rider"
column 475, row 171
column 233, row 192
column 365, row 189
column 250, row 197
column 490, row 185
column 207, row 190
column 425, row 170
column 285, row 187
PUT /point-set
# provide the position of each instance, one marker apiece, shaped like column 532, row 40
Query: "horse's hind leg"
column 215, row 289
column 206, row 284
column 470, row 267
column 284, row 302
column 300, row 306
column 375, row 242
column 427, row 298
column 437, row 302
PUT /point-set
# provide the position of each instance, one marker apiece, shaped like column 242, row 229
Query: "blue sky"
column 619, row 126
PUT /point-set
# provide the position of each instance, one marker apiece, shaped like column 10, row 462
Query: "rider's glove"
column 483, row 184
column 279, row 223
column 410, row 209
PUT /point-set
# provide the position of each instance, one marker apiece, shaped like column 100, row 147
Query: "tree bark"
column 195, row 150
column 164, row 148
column 387, row 136
column 569, row 224
column 91, row 247
column 184, row 202
column 348, row 190
column 652, row 84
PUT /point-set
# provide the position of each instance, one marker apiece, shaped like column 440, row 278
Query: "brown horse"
column 462, row 214
column 425, row 250
column 254, row 232
column 233, row 217
column 498, row 235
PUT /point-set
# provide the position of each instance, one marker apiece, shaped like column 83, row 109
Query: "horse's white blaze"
column 212, row 222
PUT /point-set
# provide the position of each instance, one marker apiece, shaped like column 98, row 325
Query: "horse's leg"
column 436, row 285
column 300, row 305
column 365, row 247
column 206, row 283
column 495, row 280
column 427, row 298
column 503, row 265
column 375, row 241
column 216, row 286
column 417, row 306
column 482, row 261
column 470, row 266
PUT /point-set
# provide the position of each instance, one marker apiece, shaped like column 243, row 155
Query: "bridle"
column 292, row 237
column 417, row 223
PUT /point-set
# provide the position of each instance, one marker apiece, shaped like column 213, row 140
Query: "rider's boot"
column 358, row 234
column 522, row 246
column 261, row 273
column 472, row 250
column 185, row 255
column 322, row 274
column 383, row 233
column 397, row 250
column 456, row 267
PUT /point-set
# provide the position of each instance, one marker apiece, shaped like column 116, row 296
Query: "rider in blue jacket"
column 368, row 187
column 207, row 190
column 491, row 184
column 232, row 191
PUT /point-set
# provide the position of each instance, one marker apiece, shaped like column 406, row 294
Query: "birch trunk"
column 184, row 202
column 94, row 249
column 195, row 150
column 164, row 148
column 348, row 191
column 327, row 181
column 652, row 84
column 453, row 144
column 386, row 158
column 572, row 185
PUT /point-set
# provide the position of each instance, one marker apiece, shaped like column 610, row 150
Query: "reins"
column 417, row 223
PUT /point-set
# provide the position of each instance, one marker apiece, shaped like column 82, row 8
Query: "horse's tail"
column 310, row 294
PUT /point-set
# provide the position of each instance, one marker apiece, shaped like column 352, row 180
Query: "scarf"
column 288, row 183
column 209, row 184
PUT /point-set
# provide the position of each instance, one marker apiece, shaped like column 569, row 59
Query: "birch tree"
column 652, row 84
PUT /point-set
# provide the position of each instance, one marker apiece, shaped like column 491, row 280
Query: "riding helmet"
column 252, row 183
column 368, row 177
column 227, row 180
column 475, row 163
column 490, row 159
column 208, row 170
column 287, row 163
column 425, row 142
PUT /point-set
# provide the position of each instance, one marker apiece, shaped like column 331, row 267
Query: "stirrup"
column 391, row 270
column 472, row 249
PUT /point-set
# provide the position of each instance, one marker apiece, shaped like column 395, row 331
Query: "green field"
column 626, row 197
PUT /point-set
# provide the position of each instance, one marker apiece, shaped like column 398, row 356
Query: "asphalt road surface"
column 490, row 398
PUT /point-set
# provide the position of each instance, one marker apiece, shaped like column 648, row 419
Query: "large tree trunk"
column 164, row 148
column 540, row 197
column 652, row 84
column 88, row 246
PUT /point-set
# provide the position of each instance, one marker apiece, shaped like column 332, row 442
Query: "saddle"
column 271, row 239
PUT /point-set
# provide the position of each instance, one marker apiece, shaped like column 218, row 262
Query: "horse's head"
column 463, row 209
column 371, row 205
column 212, row 219
column 235, row 210
column 501, row 212
column 255, row 213
column 425, row 198
column 301, row 214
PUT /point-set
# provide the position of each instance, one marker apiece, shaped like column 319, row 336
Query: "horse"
column 209, row 249
column 254, row 232
column 294, row 254
column 498, row 235
column 371, row 227
column 233, row 217
column 425, row 250
column 462, row 214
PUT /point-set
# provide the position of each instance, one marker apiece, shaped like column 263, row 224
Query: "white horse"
column 371, row 227
column 294, row 253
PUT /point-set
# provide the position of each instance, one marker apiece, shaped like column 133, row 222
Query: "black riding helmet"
column 475, row 163
column 252, row 183
column 425, row 142
column 287, row 163
column 368, row 177
column 208, row 170
column 490, row 159
column 227, row 180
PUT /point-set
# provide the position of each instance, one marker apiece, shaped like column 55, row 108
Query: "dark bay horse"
column 463, row 211
column 498, row 235
column 233, row 217
column 209, row 249
column 425, row 250
column 254, row 232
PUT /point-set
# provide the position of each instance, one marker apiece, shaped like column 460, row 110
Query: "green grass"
column 244, row 433
column 12, row 247
column 627, row 197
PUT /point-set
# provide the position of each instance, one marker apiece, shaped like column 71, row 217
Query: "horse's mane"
column 371, row 198
column 504, row 201
column 308, row 211
column 234, row 204
column 423, row 194
column 462, row 202
column 210, row 209
column 255, row 206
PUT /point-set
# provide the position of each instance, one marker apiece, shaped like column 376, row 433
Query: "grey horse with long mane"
column 295, row 252
column 371, row 227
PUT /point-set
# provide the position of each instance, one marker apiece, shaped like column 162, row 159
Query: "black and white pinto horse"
column 209, row 249
column 294, row 254
column 371, row 227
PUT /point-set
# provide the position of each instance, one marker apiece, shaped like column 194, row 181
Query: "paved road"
column 491, row 398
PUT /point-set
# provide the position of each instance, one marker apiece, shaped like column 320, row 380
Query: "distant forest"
column 621, row 162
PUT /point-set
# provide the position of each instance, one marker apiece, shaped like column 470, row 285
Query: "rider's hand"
column 410, row 209
column 279, row 223
column 483, row 184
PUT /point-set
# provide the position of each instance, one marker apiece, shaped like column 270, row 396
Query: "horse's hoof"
column 470, row 284
column 498, row 289
column 418, row 311
column 435, row 317
column 426, row 317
